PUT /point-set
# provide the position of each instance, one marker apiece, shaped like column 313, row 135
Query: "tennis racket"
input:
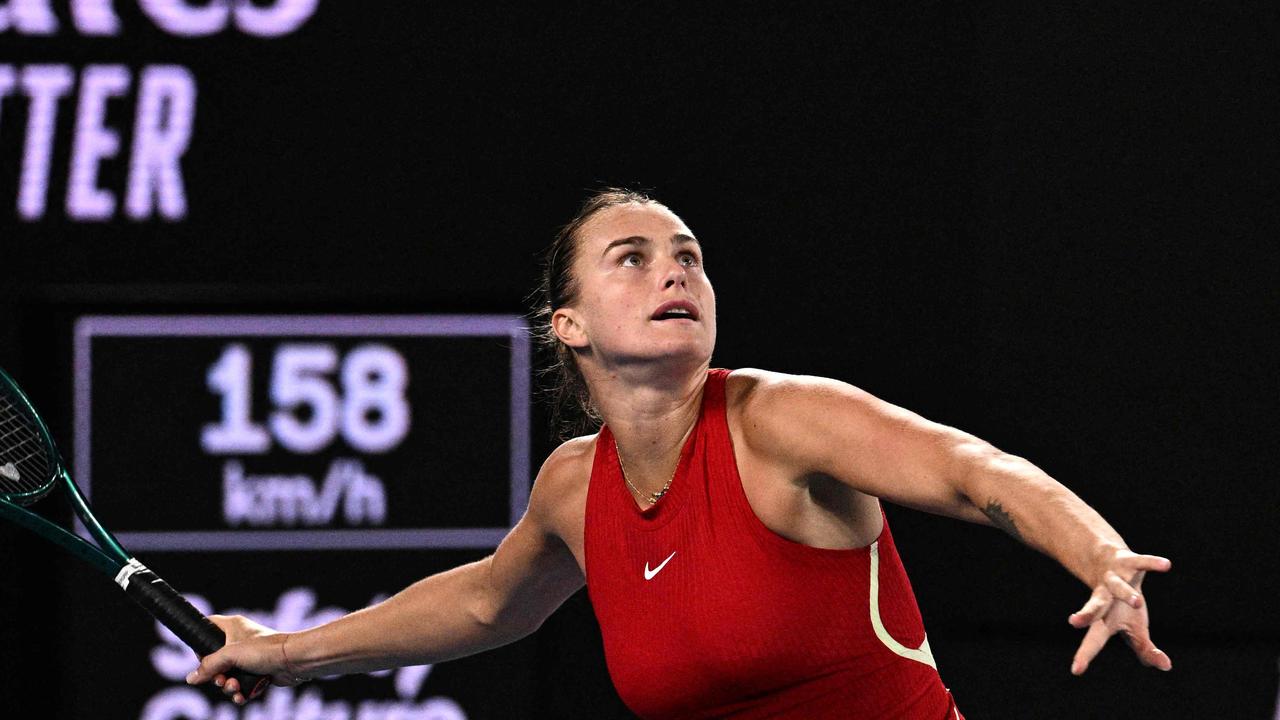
column 30, row 469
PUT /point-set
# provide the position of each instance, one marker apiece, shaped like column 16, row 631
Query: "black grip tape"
column 189, row 624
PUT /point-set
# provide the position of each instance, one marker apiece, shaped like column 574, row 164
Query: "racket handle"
column 189, row 624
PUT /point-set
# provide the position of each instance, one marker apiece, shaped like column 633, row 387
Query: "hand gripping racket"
column 30, row 468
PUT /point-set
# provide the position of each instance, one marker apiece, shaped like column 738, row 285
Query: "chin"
column 685, row 353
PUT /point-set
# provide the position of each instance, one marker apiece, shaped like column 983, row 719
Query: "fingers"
column 215, row 667
column 1122, row 590
column 1089, row 648
column 1093, row 609
column 212, row 665
column 1147, row 652
column 229, row 685
column 1148, row 562
column 1134, row 567
column 238, row 627
column 1114, row 586
column 231, row 688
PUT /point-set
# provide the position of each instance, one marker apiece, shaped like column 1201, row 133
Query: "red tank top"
column 705, row 612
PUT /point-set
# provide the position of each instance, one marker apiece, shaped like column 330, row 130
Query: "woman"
column 727, row 524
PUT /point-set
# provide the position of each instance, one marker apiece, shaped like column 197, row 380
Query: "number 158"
column 370, row 411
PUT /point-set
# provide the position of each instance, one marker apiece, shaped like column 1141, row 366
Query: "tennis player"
column 727, row 524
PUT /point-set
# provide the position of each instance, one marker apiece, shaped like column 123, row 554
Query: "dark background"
column 1053, row 228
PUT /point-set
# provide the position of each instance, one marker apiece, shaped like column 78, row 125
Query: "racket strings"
column 24, row 460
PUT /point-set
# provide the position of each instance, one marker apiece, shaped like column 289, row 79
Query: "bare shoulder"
column 566, row 470
column 559, row 496
column 768, row 401
column 771, row 385
column 805, row 423
column 809, row 420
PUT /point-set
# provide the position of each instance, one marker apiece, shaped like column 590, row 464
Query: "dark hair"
column 572, row 412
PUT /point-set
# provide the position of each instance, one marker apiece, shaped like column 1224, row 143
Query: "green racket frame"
column 108, row 556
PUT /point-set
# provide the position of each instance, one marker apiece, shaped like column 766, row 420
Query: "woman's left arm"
column 821, row 425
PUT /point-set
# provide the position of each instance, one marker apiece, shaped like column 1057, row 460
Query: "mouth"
column 676, row 311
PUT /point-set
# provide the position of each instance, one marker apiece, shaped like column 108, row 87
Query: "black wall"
column 1054, row 228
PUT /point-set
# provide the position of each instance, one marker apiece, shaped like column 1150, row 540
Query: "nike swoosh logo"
column 648, row 574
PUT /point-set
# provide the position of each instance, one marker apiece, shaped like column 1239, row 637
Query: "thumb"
column 232, row 627
column 212, row 665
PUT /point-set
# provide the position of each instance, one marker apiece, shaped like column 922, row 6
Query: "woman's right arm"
column 459, row 612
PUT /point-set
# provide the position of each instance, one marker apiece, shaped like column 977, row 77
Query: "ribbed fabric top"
column 706, row 612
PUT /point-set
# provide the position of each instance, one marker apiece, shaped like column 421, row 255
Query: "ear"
column 568, row 326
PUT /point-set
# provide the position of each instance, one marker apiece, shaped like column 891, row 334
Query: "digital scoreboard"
column 303, row 432
column 294, row 469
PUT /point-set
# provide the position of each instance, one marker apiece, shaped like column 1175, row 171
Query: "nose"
column 675, row 274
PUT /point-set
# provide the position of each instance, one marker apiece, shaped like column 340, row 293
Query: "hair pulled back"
column 572, row 412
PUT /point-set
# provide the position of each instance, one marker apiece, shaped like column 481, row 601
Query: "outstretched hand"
column 251, row 647
column 1118, row 606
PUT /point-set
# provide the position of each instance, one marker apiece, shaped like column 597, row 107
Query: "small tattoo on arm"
column 1002, row 520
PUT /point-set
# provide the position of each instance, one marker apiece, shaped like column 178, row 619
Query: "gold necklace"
column 653, row 498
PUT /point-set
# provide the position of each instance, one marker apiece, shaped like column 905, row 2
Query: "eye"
column 626, row 258
column 690, row 257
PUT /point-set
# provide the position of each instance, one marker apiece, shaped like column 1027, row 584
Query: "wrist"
column 295, row 672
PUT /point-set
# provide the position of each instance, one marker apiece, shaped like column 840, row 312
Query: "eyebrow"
column 641, row 241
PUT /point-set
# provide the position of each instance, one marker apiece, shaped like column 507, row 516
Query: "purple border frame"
column 509, row 326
